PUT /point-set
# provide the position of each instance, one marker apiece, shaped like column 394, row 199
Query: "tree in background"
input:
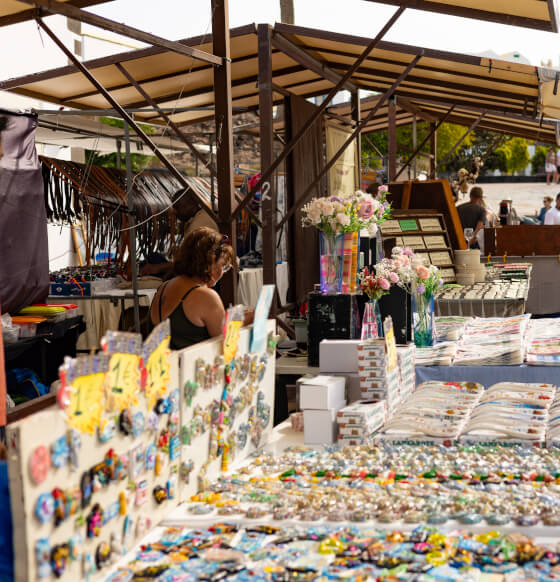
column 516, row 154
column 538, row 160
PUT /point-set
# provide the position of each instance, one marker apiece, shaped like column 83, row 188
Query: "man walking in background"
column 473, row 215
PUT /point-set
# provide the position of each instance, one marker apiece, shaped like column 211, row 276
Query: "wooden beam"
column 309, row 190
column 55, row 7
column 31, row 13
column 430, row 136
column 460, row 141
column 268, row 195
column 266, row 174
column 126, row 117
column 392, row 141
column 224, row 139
column 411, row 108
column 302, row 57
column 356, row 116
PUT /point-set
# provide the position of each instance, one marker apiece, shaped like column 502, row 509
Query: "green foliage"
column 516, row 154
column 138, row 162
column 539, row 159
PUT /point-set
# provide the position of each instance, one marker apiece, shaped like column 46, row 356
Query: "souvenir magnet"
column 76, row 545
column 86, row 488
column 112, row 511
column 74, row 444
column 171, row 486
column 39, row 464
column 122, row 503
column 94, row 521
column 174, row 401
column 102, row 555
column 125, row 421
column 59, row 559
column 141, row 492
column 89, row 565
column 44, row 507
column 174, row 448
column 152, row 421
column 136, row 462
column 186, row 470
column 142, row 525
column 106, row 430
column 190, row 391
column 160, row 461
column 160, row 494
column 138, row 424
column 43, row 555
column 162, row 406
column 150, row 457
column 127, row 531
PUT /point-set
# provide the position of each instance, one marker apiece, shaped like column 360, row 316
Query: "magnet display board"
column 248, row 407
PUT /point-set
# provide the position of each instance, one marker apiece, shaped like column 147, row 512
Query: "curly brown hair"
column 198, row 252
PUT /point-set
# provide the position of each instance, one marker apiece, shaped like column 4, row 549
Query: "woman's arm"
column 212, row 312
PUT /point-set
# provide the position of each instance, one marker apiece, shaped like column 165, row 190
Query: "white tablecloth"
column 251, row 282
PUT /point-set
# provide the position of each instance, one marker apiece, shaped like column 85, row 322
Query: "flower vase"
column 347, row 262
column 423, row 319
column 331, row 257
column 372, row 326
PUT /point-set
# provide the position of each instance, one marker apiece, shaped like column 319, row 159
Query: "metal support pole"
column 392, row 141
column 132, row 231
column 224, row 139
column 267, row 154
column 266, row 174
column 433, row 149
column 433, row 129
column 356, row 115
column 122, row 112
column 414, row 145
column 460, row 141
column 309, row 190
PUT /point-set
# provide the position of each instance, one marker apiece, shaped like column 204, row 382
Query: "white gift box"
column 319, row 427
column 322, row 393
column 338, row 356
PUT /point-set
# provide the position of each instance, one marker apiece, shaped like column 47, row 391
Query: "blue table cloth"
column 488, row 375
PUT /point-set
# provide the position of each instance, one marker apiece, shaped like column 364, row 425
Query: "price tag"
column 231, row 340
column 86, row 402
column 408, row 224
column 123, row 381
column 157, row 368
column 390, row 343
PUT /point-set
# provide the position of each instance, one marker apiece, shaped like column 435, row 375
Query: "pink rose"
column 366, row 209
column 383, row 188
column 383, row 283
column 408, row 252
column 423, row 272
column 394, row 277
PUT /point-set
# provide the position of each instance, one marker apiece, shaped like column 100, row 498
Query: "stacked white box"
column 360, row 421
column 320, row 398
column 377, row 382
column 407, row 373
column 338, row 356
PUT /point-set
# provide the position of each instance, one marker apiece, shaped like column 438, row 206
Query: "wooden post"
column 356, row 115
column 414, row 145
column 268, row 189
column 392, row 141
column 433, row 150
column 224, row 138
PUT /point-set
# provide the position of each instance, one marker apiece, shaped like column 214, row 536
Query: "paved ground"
column 527, row 197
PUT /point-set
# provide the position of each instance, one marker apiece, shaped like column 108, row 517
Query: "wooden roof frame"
column 489, row 15
column 30, row 13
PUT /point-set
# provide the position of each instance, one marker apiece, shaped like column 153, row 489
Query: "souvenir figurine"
column 59, row 559
column 150, row 457
column 160, row 494
column 106, row 430
column 94, row 521
column 39, row 464
column 74, row 444
column 44, row 508
column 102, row 555
column 43, row 555
column 60, row 451
column 101, row 473
column 86, row 488
column 76, row 545
column 141, row 493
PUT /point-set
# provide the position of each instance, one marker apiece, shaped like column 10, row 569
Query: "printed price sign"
column 86, row 402
column 231, row 339
column 157, row 368
column 123, row 381
column 390, row 343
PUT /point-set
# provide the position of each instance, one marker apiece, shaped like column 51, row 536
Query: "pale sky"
column 31, row 52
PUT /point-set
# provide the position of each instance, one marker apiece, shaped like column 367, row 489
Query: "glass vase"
column 372, row 326
column 423, row 319
column 331, row 257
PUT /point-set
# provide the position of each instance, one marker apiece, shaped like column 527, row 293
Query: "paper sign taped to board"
column 390, row 343
column 259, row 335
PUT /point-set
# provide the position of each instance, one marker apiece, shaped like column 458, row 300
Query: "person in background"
column 558, row 167
column 157, row 265
column 473, row 214
column 194, row 309
column 547, row 205
column 553, row 215
column 550, row 166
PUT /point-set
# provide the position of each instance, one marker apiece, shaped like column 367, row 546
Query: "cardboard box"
column 362, row 430
column 361, row 412
column 323, row 393
column 319, row 427
column 337, row 355
column 352, row 386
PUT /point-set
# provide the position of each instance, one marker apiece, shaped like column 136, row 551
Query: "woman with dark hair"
column 195, row 310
